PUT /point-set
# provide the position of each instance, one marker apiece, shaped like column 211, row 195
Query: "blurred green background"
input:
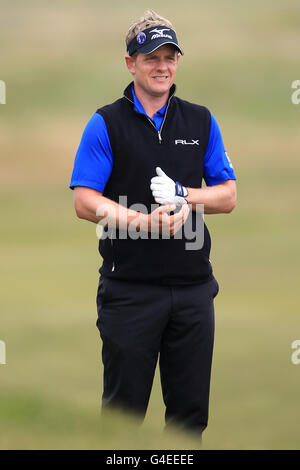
column 61, row 60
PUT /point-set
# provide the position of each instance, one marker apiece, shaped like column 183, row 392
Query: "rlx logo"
column 184, row 142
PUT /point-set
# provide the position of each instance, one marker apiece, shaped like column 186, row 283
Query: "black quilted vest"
column 138, row 148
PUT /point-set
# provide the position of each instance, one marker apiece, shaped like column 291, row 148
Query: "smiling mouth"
column 160, row 77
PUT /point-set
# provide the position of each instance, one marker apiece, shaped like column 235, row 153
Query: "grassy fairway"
column 60, row 62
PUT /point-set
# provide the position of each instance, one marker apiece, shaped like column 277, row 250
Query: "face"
column 154, row 73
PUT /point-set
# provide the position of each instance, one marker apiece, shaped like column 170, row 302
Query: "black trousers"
column 139, row 322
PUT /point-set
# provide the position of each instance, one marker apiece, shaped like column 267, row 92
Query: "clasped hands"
column 169, row 194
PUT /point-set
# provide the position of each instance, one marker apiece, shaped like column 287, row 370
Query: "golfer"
column 138, row 173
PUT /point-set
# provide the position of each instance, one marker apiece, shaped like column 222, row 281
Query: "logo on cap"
column 160, row 33
column 141, row 38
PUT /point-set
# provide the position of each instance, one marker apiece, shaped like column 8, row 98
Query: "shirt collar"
column 138, row 107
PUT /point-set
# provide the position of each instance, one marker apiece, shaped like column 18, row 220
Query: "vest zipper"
column 152, row 123
column 158, row 132
column 161, row 127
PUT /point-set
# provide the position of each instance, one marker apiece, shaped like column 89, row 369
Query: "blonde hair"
column 149, row 20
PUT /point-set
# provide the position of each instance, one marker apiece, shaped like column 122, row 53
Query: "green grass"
column 239, row 61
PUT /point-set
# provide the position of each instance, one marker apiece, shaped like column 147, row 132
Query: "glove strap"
column 180, row 190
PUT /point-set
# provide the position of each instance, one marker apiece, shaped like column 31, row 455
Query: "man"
column 155, row 296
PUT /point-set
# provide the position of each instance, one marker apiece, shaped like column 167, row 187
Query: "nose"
column 162, row 65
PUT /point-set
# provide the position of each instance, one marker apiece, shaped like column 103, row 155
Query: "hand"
column 160, row 221
column 166, row 191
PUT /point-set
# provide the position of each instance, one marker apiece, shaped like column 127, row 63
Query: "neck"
column 151, row 103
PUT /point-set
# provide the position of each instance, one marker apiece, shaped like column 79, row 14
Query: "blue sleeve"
column 216, row 165
column 94, row 160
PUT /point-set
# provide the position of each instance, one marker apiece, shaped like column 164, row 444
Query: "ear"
column 130, row 62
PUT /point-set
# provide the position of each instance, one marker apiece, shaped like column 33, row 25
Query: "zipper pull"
column 159, row 137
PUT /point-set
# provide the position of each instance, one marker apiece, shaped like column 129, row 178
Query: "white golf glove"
column 166, row 191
